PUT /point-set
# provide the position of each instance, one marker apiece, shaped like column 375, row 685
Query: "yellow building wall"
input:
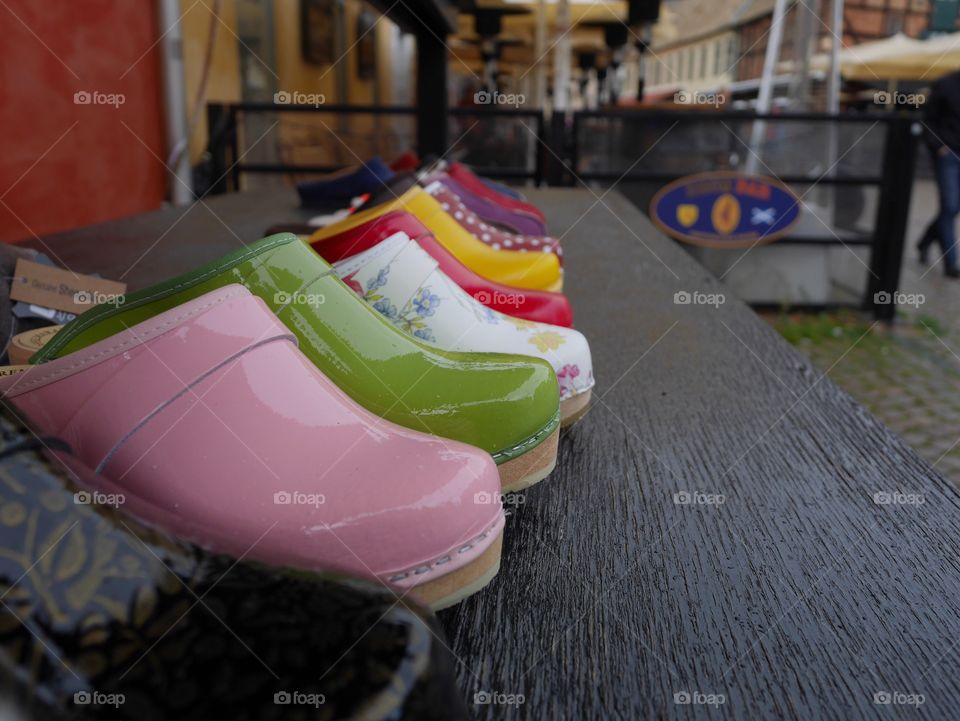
column 317, row 138
column 224, row 82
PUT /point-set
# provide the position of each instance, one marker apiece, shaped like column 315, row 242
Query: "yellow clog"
column 537, row 271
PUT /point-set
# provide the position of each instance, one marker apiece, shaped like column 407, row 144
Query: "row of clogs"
column 362, row 417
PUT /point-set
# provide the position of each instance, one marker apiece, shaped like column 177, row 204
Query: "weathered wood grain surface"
column 798, row 597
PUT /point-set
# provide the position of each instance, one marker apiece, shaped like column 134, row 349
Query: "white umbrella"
column 897, row 58
column 939, row 55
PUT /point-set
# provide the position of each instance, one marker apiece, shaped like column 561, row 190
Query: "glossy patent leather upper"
column 94, row 603
column 406, row 286
column 336, row 190
column 537, row 271
column 208, row 416
column 489, row 210
column 500, row 403
column 540, row 306
column 468, row 179
column 495, row 237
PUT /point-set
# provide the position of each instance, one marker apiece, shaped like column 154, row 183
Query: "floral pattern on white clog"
column 411, row 317
column 492, row 236
column 403, row 283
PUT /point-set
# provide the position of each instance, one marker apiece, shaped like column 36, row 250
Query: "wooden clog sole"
column 532, row 467
column 454, row 587
column 573, row 409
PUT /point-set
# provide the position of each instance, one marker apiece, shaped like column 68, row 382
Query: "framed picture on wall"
column 366, row 45
column 318, row 31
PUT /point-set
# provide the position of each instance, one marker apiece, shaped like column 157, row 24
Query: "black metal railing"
column 873, row 151
column 478, row 126
column 641, row 150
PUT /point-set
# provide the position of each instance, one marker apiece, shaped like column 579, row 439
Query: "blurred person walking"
column 942, row 126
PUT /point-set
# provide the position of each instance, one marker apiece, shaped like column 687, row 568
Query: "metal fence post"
column 899, row 157
column 575, row 147
column 221, row 138
column 233, row 138
column 556, row 143
column 432, row 102
column 538, row 177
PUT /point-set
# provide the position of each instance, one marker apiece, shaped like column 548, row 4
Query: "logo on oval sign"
column 725, row 209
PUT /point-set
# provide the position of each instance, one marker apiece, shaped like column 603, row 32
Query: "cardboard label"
column 56, row 288
column 13, row 370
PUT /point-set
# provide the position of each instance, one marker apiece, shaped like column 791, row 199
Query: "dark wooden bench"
column 799, row 596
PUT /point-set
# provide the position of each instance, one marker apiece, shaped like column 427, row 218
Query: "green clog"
column 507, row 405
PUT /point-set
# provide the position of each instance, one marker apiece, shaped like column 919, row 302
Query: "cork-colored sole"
column 23, row 345
column 456, row 586
column 532, row 467
column 573, row 409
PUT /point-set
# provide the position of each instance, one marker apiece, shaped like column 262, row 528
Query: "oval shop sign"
column 725, row 209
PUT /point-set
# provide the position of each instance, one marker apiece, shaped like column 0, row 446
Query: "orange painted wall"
column 64, row 164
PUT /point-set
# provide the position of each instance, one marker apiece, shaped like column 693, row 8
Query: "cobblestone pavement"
column 907, row 375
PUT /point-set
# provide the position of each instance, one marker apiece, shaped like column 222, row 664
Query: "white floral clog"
column 403, row 282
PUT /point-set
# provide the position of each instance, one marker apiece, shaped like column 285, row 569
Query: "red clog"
column 540, row 306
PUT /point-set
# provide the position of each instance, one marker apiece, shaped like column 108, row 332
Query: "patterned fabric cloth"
column 403, row 283
column 495, row 238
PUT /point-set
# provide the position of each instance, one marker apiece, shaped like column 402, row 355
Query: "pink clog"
column 208, row 416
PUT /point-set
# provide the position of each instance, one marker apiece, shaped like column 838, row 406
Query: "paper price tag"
column 56, row 288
